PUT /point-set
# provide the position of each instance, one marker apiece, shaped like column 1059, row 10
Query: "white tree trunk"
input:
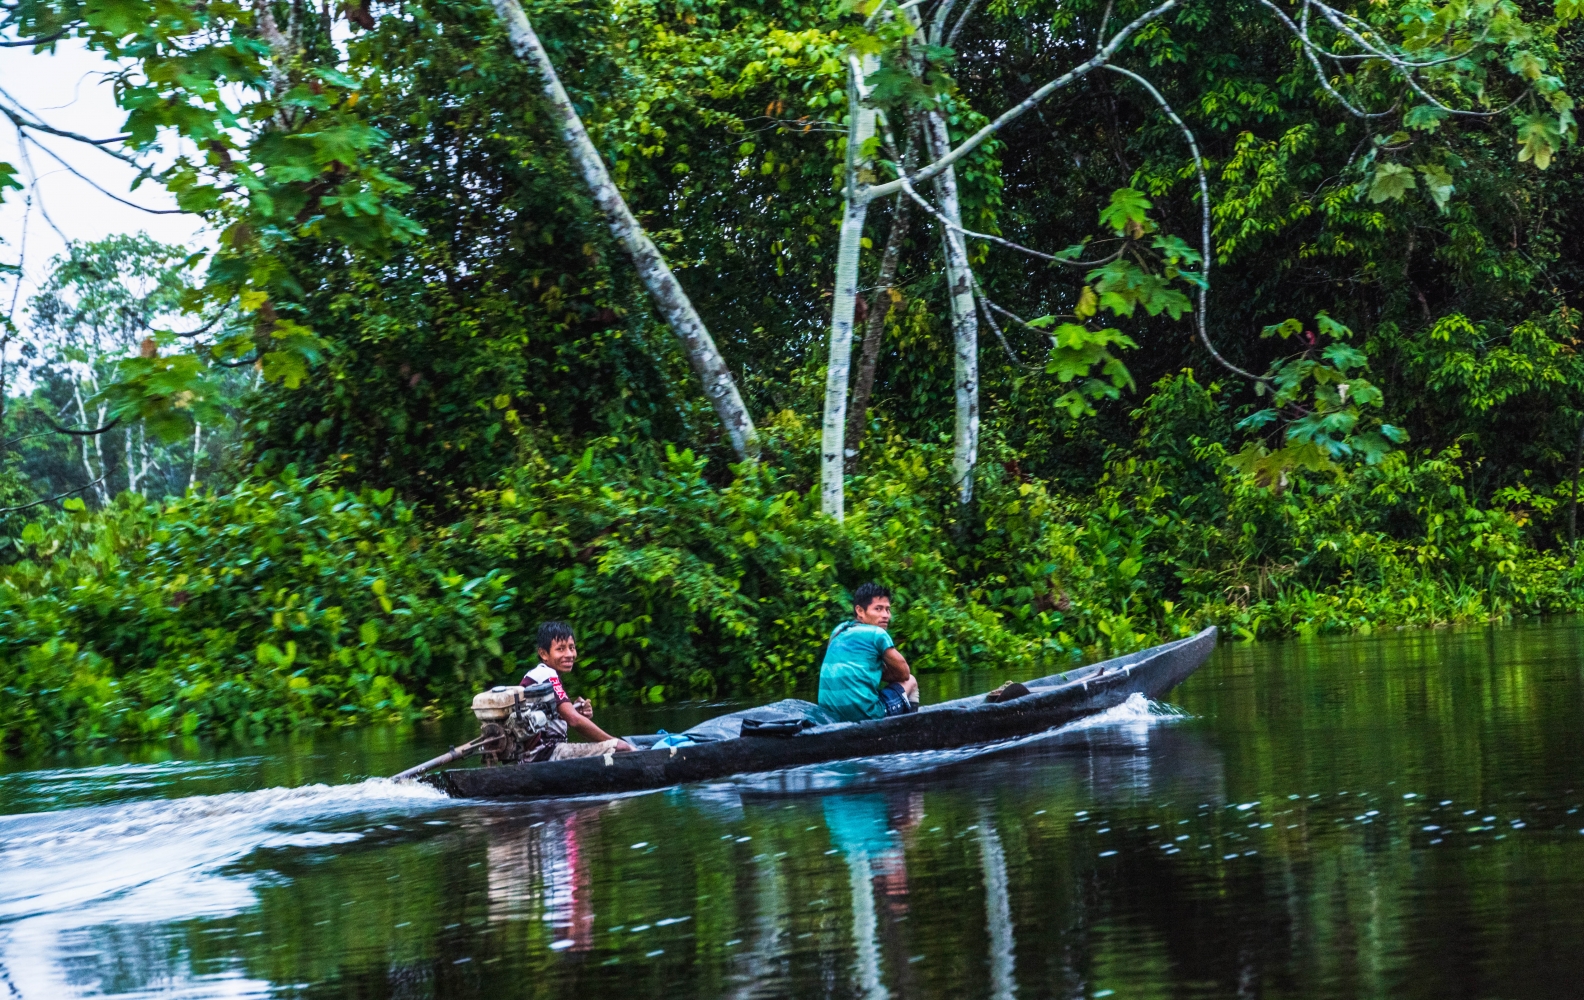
column 669, row 298
column 874, row 332
column 844, row 298
column 132, row 465
column 197, row 449
column 965, row 321
column 833, row 446
column 101, row 491
column 147, row 457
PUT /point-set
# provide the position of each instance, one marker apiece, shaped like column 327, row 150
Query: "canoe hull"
column 1051, row 702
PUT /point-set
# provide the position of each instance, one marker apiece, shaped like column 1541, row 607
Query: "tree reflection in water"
column 1339, row 819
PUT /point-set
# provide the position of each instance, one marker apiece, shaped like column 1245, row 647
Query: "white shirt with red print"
column 556, row 732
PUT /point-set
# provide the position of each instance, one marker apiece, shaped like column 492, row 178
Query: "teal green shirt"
column 849, row 684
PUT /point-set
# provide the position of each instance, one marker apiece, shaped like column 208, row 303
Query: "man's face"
column 562, row 654
column 877, row 613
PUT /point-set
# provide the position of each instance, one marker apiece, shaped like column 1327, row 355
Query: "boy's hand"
column 584, row 708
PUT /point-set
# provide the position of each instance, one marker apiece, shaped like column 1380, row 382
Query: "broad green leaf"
column 1424, row 117
column 1438, row 182
column 1174, row 249
column 1128, row 208
column 1344, row 357
column 1527, row 65
column 286, row 367
column 1088, row 303
column 1391, row 182
column 1331, row 328
column 1539, row 138
column 1254, row 421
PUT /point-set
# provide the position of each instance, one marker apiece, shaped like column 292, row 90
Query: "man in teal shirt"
column 863, row 676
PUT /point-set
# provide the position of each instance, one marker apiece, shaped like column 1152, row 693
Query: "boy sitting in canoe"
column 558, row 652
column 864, row 676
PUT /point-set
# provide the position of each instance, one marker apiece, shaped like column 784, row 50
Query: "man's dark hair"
column 550, row 632
column 866, row 594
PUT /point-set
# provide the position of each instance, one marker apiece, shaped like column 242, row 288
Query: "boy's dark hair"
column 549, row 632
column 866, row 594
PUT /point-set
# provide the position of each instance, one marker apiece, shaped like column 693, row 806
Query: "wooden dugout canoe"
column 1051, row 701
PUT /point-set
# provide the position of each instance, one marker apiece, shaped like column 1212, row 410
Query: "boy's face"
column 877, row 613
column 562, row 654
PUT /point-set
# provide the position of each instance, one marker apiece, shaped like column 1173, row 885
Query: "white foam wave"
column 68, row 874
column 1137, row 711
column 70, row 857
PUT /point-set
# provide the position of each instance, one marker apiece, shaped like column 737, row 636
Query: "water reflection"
column 871, row 831
column 1371, row 817
column 543, row 870
column 998, row 908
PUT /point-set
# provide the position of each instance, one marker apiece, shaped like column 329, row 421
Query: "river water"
column 1394, row 815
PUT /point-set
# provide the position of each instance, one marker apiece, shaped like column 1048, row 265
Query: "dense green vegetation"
column 440, row 405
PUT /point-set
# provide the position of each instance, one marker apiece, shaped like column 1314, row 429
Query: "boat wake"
column 117, row 855
column 69, row 874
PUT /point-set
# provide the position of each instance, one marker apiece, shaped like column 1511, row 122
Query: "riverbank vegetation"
column 746, row 306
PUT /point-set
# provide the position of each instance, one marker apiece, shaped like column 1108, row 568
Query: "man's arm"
column 594, row 734
column 894, row 667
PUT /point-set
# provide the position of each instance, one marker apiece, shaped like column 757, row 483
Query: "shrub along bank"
column 295, row 601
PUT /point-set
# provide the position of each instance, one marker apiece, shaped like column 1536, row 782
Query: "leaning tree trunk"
column 844, row 298
column 874, row 332
column 965, row 321
column 663, row 286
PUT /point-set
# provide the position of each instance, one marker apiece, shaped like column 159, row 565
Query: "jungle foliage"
column 467, row 416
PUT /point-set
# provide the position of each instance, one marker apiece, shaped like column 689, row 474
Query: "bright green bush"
column 295, row 602
column 269, row 606
column 1400, row 542
column 682, row 588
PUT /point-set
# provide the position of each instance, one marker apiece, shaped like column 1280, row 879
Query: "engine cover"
column 516, row 719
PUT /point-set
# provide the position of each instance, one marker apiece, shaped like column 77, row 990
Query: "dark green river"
column 1376, row 816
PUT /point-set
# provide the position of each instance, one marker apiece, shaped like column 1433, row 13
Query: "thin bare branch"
column 16, row 292
column 1201, row 314
column 18, row 119
column 1404, row 65
column 78, row 432
column 984, row 310
column 962, row 19
column 1302, row 34
column 45, row 40
column 94, row 184
column 1398, row 60
column 58, row 496
column 1014, row 317
column 207, row 326
column 973, row 142
column 1105, row 20
column 33, row 188
column 912, row 193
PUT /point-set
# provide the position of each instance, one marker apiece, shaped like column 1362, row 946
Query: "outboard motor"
column 513, row 721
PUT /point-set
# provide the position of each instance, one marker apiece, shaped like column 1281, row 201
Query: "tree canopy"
column 1086, row 321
